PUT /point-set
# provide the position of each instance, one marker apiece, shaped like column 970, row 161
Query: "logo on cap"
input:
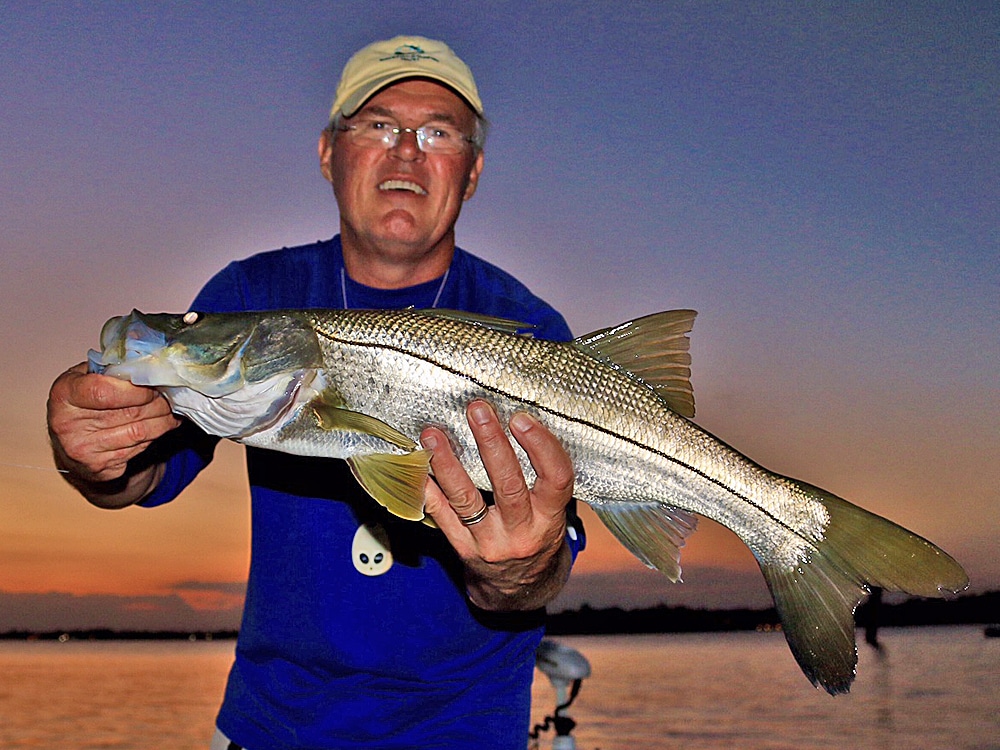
column 409, row 53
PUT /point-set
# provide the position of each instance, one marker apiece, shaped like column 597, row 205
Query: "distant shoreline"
column 976, row 609
column 109, row 634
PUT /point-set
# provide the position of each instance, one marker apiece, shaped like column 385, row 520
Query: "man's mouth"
column 404, row 185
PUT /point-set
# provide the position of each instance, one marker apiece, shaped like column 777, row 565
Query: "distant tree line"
column 109, row 634
column 976, row 609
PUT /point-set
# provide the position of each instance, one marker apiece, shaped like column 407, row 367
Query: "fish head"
column 213, row 354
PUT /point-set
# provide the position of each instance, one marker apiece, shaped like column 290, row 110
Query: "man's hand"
column 96, row 425
column 516, row 557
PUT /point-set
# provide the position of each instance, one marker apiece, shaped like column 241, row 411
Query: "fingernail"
column 480, row 412
column 429, row 441
column 522, row 422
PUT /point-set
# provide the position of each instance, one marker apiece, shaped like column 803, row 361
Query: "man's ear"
column 474, row 172
column 325, row 149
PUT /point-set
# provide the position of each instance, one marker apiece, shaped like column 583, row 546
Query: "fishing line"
column 36, row 468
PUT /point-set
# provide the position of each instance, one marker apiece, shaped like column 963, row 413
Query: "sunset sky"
column 820, row 181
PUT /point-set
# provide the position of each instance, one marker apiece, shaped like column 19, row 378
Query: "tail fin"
column 817, row 599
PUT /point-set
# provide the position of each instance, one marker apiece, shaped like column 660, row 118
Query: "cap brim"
column 366, row 91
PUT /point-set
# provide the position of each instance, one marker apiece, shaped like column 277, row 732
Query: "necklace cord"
column 434, row 304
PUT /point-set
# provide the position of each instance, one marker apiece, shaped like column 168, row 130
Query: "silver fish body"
column 361, row 385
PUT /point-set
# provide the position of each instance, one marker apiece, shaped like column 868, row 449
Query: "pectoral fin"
column 396, row 481
column 337, row 418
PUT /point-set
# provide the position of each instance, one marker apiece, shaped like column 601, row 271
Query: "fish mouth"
column 140, row 348
column 402, row 185
column 125, row 339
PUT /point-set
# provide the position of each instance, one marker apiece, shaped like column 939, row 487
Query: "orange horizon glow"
column 139, row 551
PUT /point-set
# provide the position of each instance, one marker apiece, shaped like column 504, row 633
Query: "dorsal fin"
column 504, row 325
column 654, row 349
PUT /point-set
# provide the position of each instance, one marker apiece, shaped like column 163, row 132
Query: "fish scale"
column 632, row 425
column 362, row 384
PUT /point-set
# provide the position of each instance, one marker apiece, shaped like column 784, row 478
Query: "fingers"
column 89, row 391
column 516, row 503
column 516, row 556
column 451, row 495
column 553, row 467
column 97, row 424
column 510, row 490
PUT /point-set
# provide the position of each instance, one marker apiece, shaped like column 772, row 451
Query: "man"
column 360, row 630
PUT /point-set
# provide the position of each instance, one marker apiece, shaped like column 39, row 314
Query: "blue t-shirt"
column 356, row 628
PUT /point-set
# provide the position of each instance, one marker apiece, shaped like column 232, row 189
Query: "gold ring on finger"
column 476, row 517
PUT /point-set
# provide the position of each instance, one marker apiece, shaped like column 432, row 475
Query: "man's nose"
column 407, row 146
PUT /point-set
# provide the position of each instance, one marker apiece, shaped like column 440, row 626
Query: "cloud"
column 189, row 607
column 217, row 605
column 203, row 596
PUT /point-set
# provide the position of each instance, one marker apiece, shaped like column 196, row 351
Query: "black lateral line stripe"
column 583, row 422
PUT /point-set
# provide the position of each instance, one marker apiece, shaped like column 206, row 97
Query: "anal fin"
column 396, row 481
column 653, row 533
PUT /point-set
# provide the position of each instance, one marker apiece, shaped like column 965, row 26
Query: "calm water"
column 934, row 688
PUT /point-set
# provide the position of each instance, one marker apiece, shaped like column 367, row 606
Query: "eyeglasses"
column 438, row 138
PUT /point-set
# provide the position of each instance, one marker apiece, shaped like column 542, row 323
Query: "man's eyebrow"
column 374, row 109
column 380, row 111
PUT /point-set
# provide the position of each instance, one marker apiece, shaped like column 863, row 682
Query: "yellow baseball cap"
column 376, row 66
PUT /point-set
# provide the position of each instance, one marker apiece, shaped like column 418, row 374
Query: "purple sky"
column 821, row 184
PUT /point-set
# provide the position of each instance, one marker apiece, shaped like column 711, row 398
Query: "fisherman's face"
column 401, row 202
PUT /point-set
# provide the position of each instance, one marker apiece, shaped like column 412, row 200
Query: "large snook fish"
column 361, row 385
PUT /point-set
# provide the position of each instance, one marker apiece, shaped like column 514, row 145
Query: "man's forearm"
column 127, row 490
column 522, row 590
